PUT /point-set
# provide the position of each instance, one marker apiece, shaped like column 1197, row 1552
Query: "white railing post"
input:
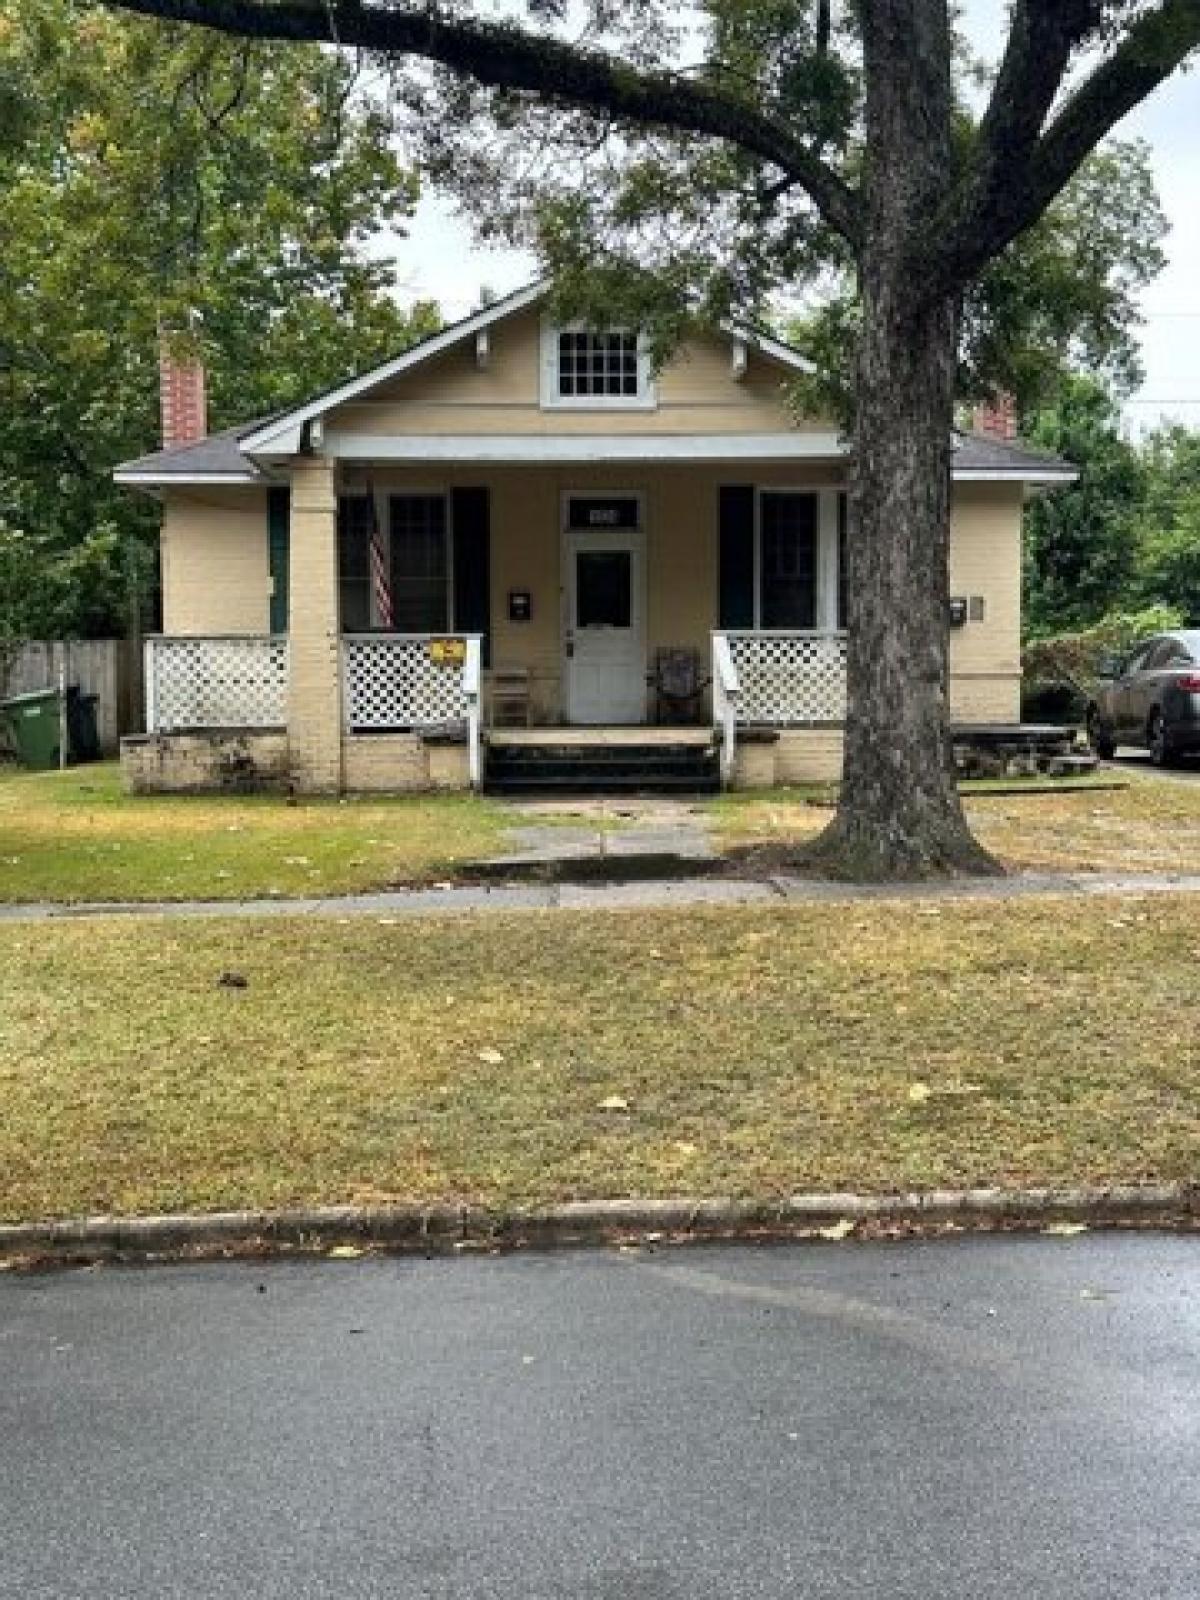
column 726, row 693
column 150, row 686
column 473, row 689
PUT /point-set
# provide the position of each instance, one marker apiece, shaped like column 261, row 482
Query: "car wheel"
column 1161, row 752
column 1101, row 742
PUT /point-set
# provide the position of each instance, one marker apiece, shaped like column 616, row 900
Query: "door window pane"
column 789, row 560
column 603, row 589
column 419, row 565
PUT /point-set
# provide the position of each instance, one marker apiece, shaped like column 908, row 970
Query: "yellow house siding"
column 985, row 561
column 451, row 394
column 215, row 567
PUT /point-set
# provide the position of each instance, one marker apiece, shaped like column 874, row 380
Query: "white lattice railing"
column 402, row 681
column 226, row 681
column 777, row 680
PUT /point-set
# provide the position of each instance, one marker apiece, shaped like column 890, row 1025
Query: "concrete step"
column 604, row 783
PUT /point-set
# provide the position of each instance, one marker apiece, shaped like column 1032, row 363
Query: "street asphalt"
column 948, row 1420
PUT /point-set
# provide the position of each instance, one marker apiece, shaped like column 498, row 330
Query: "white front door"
column 604, row 565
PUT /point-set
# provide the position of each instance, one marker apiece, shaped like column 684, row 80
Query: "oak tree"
column 800, row 122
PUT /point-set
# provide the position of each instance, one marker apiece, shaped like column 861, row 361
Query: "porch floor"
column 592, row 738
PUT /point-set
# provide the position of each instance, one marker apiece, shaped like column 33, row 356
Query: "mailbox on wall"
column 958, row 611
column 520, row 605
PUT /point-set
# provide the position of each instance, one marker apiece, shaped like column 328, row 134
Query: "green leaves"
column 170, row 173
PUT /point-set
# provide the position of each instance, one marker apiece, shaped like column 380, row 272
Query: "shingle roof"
column 977, row 452
column 219, row 459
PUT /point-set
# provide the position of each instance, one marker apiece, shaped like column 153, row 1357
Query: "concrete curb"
column 428, row 1229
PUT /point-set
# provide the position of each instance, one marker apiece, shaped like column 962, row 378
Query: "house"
column 520, row 521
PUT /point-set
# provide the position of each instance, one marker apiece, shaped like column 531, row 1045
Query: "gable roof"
column 231, row 457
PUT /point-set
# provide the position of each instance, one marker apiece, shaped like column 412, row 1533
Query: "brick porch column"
column 314, row 629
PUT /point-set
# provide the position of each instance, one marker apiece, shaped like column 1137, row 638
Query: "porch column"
column 314, row 629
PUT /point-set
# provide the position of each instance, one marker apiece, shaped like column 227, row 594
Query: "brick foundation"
column 241, row 763
column 204, row 763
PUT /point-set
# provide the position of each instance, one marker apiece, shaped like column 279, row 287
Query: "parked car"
column 1151, row 698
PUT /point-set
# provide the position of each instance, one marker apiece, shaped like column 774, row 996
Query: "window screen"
column 354, row 567
column 419, row 565
column 789, row 560
column 603, row 365
column 603, row 589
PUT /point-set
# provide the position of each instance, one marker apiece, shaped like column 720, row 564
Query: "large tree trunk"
column 899, row 814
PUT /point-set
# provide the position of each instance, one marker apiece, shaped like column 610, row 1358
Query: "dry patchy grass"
column 759, row 1051
column 77, row 836
column 1151, row 826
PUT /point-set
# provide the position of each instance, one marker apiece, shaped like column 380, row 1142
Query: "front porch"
column 417, row 609
column 416, row 711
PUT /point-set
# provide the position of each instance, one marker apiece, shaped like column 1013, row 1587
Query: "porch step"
column 586, row 768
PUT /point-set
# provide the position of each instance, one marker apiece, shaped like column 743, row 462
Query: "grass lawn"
column 78, row 836
column 759, row 1051
column 1151, row 826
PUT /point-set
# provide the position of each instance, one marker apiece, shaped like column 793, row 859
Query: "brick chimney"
column 997, row 417
column 182, row 395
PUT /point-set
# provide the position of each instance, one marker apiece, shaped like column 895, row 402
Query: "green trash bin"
column 31, row 722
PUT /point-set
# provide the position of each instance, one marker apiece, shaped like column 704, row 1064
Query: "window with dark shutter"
column 788, row 560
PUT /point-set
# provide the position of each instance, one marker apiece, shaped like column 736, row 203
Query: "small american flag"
column 381, row 587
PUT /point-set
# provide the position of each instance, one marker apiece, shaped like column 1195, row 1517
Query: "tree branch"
column 503, row 56
column 1023, row 186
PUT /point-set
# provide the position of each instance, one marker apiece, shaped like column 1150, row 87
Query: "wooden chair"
column 512, row 706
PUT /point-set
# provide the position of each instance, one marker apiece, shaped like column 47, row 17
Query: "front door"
column 604, row 562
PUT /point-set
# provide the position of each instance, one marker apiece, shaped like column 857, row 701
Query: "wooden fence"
column 108, row 668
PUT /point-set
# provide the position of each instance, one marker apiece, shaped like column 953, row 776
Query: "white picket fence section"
column 226, row 681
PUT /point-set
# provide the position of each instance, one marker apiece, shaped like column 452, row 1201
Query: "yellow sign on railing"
column 448, row 652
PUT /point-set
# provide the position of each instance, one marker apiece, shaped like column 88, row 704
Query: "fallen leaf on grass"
column 837, row 1230
column 918, row 1093
column 491, row 1058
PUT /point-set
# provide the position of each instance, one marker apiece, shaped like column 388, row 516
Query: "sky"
column 440, row 260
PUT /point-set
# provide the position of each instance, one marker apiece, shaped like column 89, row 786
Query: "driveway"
column 922, row 1421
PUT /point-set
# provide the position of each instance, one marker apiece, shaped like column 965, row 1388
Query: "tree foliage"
column 1082, row 554
column 155, row 176
column 1170, row 520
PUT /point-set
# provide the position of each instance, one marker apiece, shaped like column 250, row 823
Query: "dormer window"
column 591, row 368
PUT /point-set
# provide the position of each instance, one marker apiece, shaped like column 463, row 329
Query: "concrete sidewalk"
column 644, row 895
